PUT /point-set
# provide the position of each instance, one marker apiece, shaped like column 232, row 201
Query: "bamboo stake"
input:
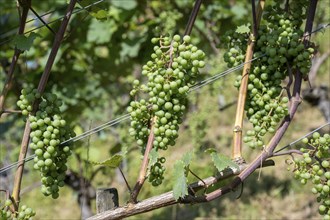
column 237, row 139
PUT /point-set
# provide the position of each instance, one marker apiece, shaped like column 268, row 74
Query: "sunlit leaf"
column 124, row 4
column 180, row 181
column 101, row 32
column 222, row 162
column 187, row 157
column 112, row 162
column 243, row 29
column 239, row 10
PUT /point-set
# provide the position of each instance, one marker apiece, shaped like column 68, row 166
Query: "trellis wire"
column 13, row 30
column 292, row 143
column 219, row 75
column 126, row 116
column 75, row 12
column 95, row 3
column 74, row 139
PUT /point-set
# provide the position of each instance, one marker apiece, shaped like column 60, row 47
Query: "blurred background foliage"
column 102, row 53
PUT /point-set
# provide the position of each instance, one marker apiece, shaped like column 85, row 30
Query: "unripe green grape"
column 325, row 164
column 327, row 175
column 186, row 38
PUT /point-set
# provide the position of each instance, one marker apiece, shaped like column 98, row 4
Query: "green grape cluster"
column 280, row 45
column 48, row 130
column 314, row 166
column 24, row 213
column 171, row 71
column 26, row 100
column 156, row 172
column 237, row 46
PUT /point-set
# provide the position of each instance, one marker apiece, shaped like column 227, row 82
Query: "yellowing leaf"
column 112, row 162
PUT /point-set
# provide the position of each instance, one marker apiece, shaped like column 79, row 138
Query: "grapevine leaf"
column 124, row 4
column 22, row 42
column 131, row 48
column 222, row 162
column 153, row 157
column 112, row 162
column 243, row 29
column 187, row 157
column 100, row 14
column 104, row 31
column 239, row 11
column 99, row 10
column 180, row 181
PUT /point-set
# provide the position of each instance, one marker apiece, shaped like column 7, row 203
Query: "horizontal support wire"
column 95, row 3
column 74, row 139
column 299, row 139
column 14, row 30
column 222, row 74
column 126, row 116
column 75, row 12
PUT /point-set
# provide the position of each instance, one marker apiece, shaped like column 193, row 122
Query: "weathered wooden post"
column 106, row 199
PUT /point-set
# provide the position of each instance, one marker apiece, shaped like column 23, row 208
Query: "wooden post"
column 106, row 199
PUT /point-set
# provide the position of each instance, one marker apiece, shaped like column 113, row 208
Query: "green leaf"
column 96, row 8
column 239, row 10
column 243, row 29
column 131, row 48
column 112, row 162
column 22, row 42
column 222, row 162
column 180, row 188
column 101, row 32
column 124, row 4
column 153, row 157
column 100, row 14
column 187, row 157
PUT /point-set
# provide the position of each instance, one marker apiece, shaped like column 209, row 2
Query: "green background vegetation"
column 93, row 72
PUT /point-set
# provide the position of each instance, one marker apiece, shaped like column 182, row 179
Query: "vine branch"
column 192, row 17
column 25, row 5
column 41, row 88
column 144, row 167
column 288, row 152
column 167, row 199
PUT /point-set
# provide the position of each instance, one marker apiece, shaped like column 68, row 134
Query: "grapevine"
column 49, row 129
column 172, row 70
column 280, row 44
column 24, row 213
column 315, row 166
